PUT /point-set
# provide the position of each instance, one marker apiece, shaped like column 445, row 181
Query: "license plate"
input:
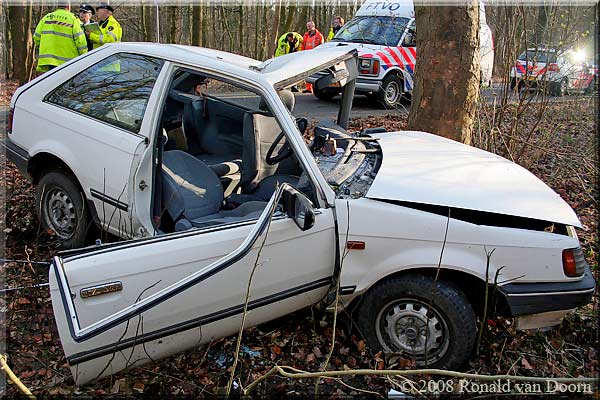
column 531, row 78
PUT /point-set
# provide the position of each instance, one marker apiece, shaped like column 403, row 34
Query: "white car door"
column 121, row 305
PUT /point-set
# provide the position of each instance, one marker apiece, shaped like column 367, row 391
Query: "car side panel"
column 402, row 238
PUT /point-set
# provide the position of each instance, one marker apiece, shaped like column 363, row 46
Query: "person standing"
column 312, row 38
column 288, row 43
column 85, row 16
column 336, row 25
column 59, row 38
column 110, row 30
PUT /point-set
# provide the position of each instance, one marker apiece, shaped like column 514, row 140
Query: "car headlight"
column 365, row 63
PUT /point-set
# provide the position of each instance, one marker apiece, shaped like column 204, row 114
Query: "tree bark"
column 22, row 42
column 149, row 22
column 447, row 71
column 196, row 25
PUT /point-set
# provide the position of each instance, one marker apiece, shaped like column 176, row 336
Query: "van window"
column 384, row 31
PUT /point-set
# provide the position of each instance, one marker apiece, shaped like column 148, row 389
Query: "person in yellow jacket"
column 110, row 30
column 336, row 25
column 288, row 43
column 59, row 38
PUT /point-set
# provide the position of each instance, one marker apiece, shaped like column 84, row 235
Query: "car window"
column 115, row 90
column 538, row 56
column 233, row 94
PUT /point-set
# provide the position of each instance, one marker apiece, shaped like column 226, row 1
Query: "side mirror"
column 299, row 207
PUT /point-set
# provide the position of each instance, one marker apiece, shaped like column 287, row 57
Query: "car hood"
column 420, row 167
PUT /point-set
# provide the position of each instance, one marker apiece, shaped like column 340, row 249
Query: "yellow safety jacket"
column 283, row 46
column 110, row 32
column 59, row 38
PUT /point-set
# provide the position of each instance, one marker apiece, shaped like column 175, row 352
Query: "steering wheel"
column 285, row 151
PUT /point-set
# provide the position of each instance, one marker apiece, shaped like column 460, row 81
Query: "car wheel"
column 430, row 322
column 324, row 94
column 513, row 83
column 390, row 94
column 60, row 205
column 559, row 89
column 592, row 87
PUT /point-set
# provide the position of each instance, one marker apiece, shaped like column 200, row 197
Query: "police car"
column 385, row 35
column 557, row 71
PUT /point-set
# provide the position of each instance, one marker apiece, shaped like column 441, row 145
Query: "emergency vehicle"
column 385, row 34
column 557, row 71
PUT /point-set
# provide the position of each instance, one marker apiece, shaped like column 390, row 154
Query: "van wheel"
column 324, row 94
column 391, row 92
column 430, row 322
column 60, row 208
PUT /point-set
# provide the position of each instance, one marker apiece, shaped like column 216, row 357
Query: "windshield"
column 539, row 56
column 385, row 31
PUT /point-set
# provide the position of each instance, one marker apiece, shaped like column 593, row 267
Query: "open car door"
column 126, row 304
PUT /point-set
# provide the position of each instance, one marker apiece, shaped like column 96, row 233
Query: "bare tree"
column 22, row 41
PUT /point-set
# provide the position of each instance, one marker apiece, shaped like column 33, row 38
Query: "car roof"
column 273, row 71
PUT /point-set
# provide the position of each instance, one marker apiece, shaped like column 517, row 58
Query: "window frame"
column 46, row 98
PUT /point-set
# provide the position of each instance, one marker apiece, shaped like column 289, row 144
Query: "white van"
column 386, row 34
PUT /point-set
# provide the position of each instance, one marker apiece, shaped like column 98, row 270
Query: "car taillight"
column 553, row 68
column 10, row 120
column 573, row 262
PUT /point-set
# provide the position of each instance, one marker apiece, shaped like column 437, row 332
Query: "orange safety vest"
column 310, row 42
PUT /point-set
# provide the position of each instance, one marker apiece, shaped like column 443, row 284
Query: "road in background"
column 308, row 106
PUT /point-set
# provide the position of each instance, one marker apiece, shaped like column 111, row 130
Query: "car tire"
column 592, row 87
column 393, row 316
column 391, row 92
column 60, row 203
column 513, row 83
column 559, row 89
column 324, row 94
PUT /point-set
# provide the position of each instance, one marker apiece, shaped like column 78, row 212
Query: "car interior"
column 221, row 154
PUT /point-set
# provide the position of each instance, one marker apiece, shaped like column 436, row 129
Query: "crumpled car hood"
column 420, row 167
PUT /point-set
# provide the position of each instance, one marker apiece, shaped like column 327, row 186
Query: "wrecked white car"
column 197, row 155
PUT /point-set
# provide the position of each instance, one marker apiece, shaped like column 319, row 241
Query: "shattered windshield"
column 385, row 31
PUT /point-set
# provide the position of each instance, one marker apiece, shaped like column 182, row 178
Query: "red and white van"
column 385, row 32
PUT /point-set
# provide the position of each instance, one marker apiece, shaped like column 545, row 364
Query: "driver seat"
column 260, row 129
column 193, row 194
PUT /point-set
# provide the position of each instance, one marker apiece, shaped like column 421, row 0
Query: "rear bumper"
column 19, row 156
column 536, row 298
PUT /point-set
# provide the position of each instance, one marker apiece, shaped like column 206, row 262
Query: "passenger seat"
column 193, row 194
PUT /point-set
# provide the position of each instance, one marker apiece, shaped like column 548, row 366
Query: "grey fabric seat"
column 193, row 194
column 259, row 131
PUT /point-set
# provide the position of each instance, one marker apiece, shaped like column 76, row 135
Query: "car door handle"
column 143, row 185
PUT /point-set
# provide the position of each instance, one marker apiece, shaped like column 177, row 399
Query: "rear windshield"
column 538, row 56
column 385, row 31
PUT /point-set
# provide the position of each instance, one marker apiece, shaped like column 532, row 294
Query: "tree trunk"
column 196, row 25
column 149, row 23
column 20, row 33
column 274, row 30
column 447, row 71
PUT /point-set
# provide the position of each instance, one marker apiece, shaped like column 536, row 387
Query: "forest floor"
column 560, row 148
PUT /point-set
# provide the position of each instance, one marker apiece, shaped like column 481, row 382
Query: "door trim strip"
column 88, row 355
